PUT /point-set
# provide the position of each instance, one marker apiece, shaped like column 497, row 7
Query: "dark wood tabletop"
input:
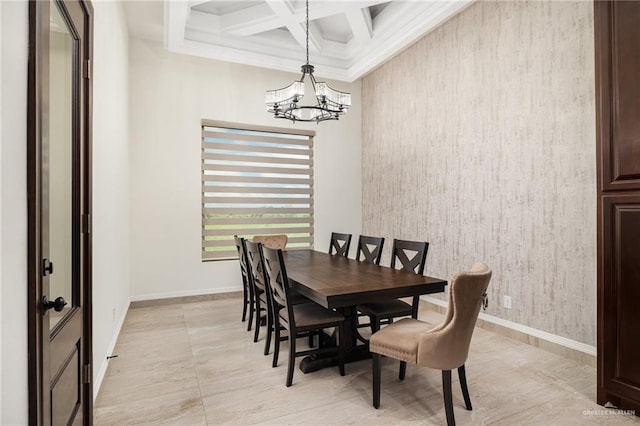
column 338, row 282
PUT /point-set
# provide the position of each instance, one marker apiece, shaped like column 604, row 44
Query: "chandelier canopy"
column 285, row 102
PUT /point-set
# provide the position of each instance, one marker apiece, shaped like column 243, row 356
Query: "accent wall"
column 480, row 138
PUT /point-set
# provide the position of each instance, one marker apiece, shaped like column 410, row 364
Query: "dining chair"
column 262, row 293
column 340, row 244
column 247, row 287
column 296, row 319
column 370, row 249
column 264, row 303
column 278, row 241
column 412, row 256
column 443, row 347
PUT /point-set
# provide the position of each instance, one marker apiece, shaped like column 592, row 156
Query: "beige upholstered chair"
column 272, row 241
column 443, row 347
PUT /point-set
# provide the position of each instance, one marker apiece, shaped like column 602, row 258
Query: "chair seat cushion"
column 312, row 315
column 386, row 308
column 399, row 340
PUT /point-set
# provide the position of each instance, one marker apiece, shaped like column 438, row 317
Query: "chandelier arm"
column 313, row 81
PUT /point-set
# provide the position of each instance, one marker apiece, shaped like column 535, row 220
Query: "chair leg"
column 403, row 370
column 276, row 349
column 376, row 380
column 341, row 344
column 415, row 307
column 375, row 323
column 245, row 301
column 251, row 310
column 463, row 383
column 258, row 320
column 448, row 399
column 292, row 357
column 267, row 344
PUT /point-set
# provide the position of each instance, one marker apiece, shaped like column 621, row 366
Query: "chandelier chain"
column 307, row 32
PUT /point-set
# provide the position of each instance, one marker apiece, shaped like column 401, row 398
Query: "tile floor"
column 195, row 363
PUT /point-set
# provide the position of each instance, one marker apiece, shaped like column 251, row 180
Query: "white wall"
column 170, row 95
column 1, row 118
column 111, row 196
column 13, row 225
column 111, row 256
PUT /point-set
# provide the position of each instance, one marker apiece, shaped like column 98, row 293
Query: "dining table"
column 340, row 283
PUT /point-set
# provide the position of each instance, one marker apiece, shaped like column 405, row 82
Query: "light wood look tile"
column 195, row 363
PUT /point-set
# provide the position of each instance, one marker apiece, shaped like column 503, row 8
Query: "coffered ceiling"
column 347, row 38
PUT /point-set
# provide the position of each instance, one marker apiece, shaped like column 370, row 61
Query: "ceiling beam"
column 397, row 25
column 176, row 15
column 249, row 21
column 285, row 10
column 416, row 20
column 203, row 21
column 360, row 23
column 261, row 18
column 194, row 3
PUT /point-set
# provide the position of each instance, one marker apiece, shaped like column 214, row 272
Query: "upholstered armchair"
column 444, row 347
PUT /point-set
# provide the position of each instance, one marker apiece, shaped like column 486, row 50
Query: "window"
column 255, row 180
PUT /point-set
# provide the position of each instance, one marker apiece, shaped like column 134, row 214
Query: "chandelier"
column 285, row 102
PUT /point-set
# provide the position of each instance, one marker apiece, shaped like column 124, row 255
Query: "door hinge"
column 86, row 68
column 86, row 373
column 86, row 223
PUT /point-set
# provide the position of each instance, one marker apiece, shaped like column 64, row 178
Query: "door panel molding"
column 616, row 40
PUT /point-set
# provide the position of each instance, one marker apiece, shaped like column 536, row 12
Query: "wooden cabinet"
column 617, row 43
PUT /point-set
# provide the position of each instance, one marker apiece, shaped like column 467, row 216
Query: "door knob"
column 57, row 304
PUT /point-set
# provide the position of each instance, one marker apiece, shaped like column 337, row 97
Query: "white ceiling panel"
column 347, row 38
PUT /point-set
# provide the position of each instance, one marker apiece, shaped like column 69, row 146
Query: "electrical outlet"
column 507, row 302
column 113, row 314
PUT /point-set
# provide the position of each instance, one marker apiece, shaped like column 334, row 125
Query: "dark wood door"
column 617, row 41
column 59, row 197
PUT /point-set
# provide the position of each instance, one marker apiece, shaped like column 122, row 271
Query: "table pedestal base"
column 312, row 363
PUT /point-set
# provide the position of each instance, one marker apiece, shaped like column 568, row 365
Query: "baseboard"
column 186, row 297
column 577, row 351
column 105, row 363
column 178, row 294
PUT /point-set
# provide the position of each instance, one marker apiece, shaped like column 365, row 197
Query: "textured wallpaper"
column 480, row 138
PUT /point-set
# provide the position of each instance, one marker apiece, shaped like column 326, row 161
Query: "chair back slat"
column 411, row 254
column 370, row 248
column 256, row 268
column 340, row 244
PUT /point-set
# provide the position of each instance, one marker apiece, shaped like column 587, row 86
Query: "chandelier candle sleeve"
column 290, row 94
column 285, row 102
